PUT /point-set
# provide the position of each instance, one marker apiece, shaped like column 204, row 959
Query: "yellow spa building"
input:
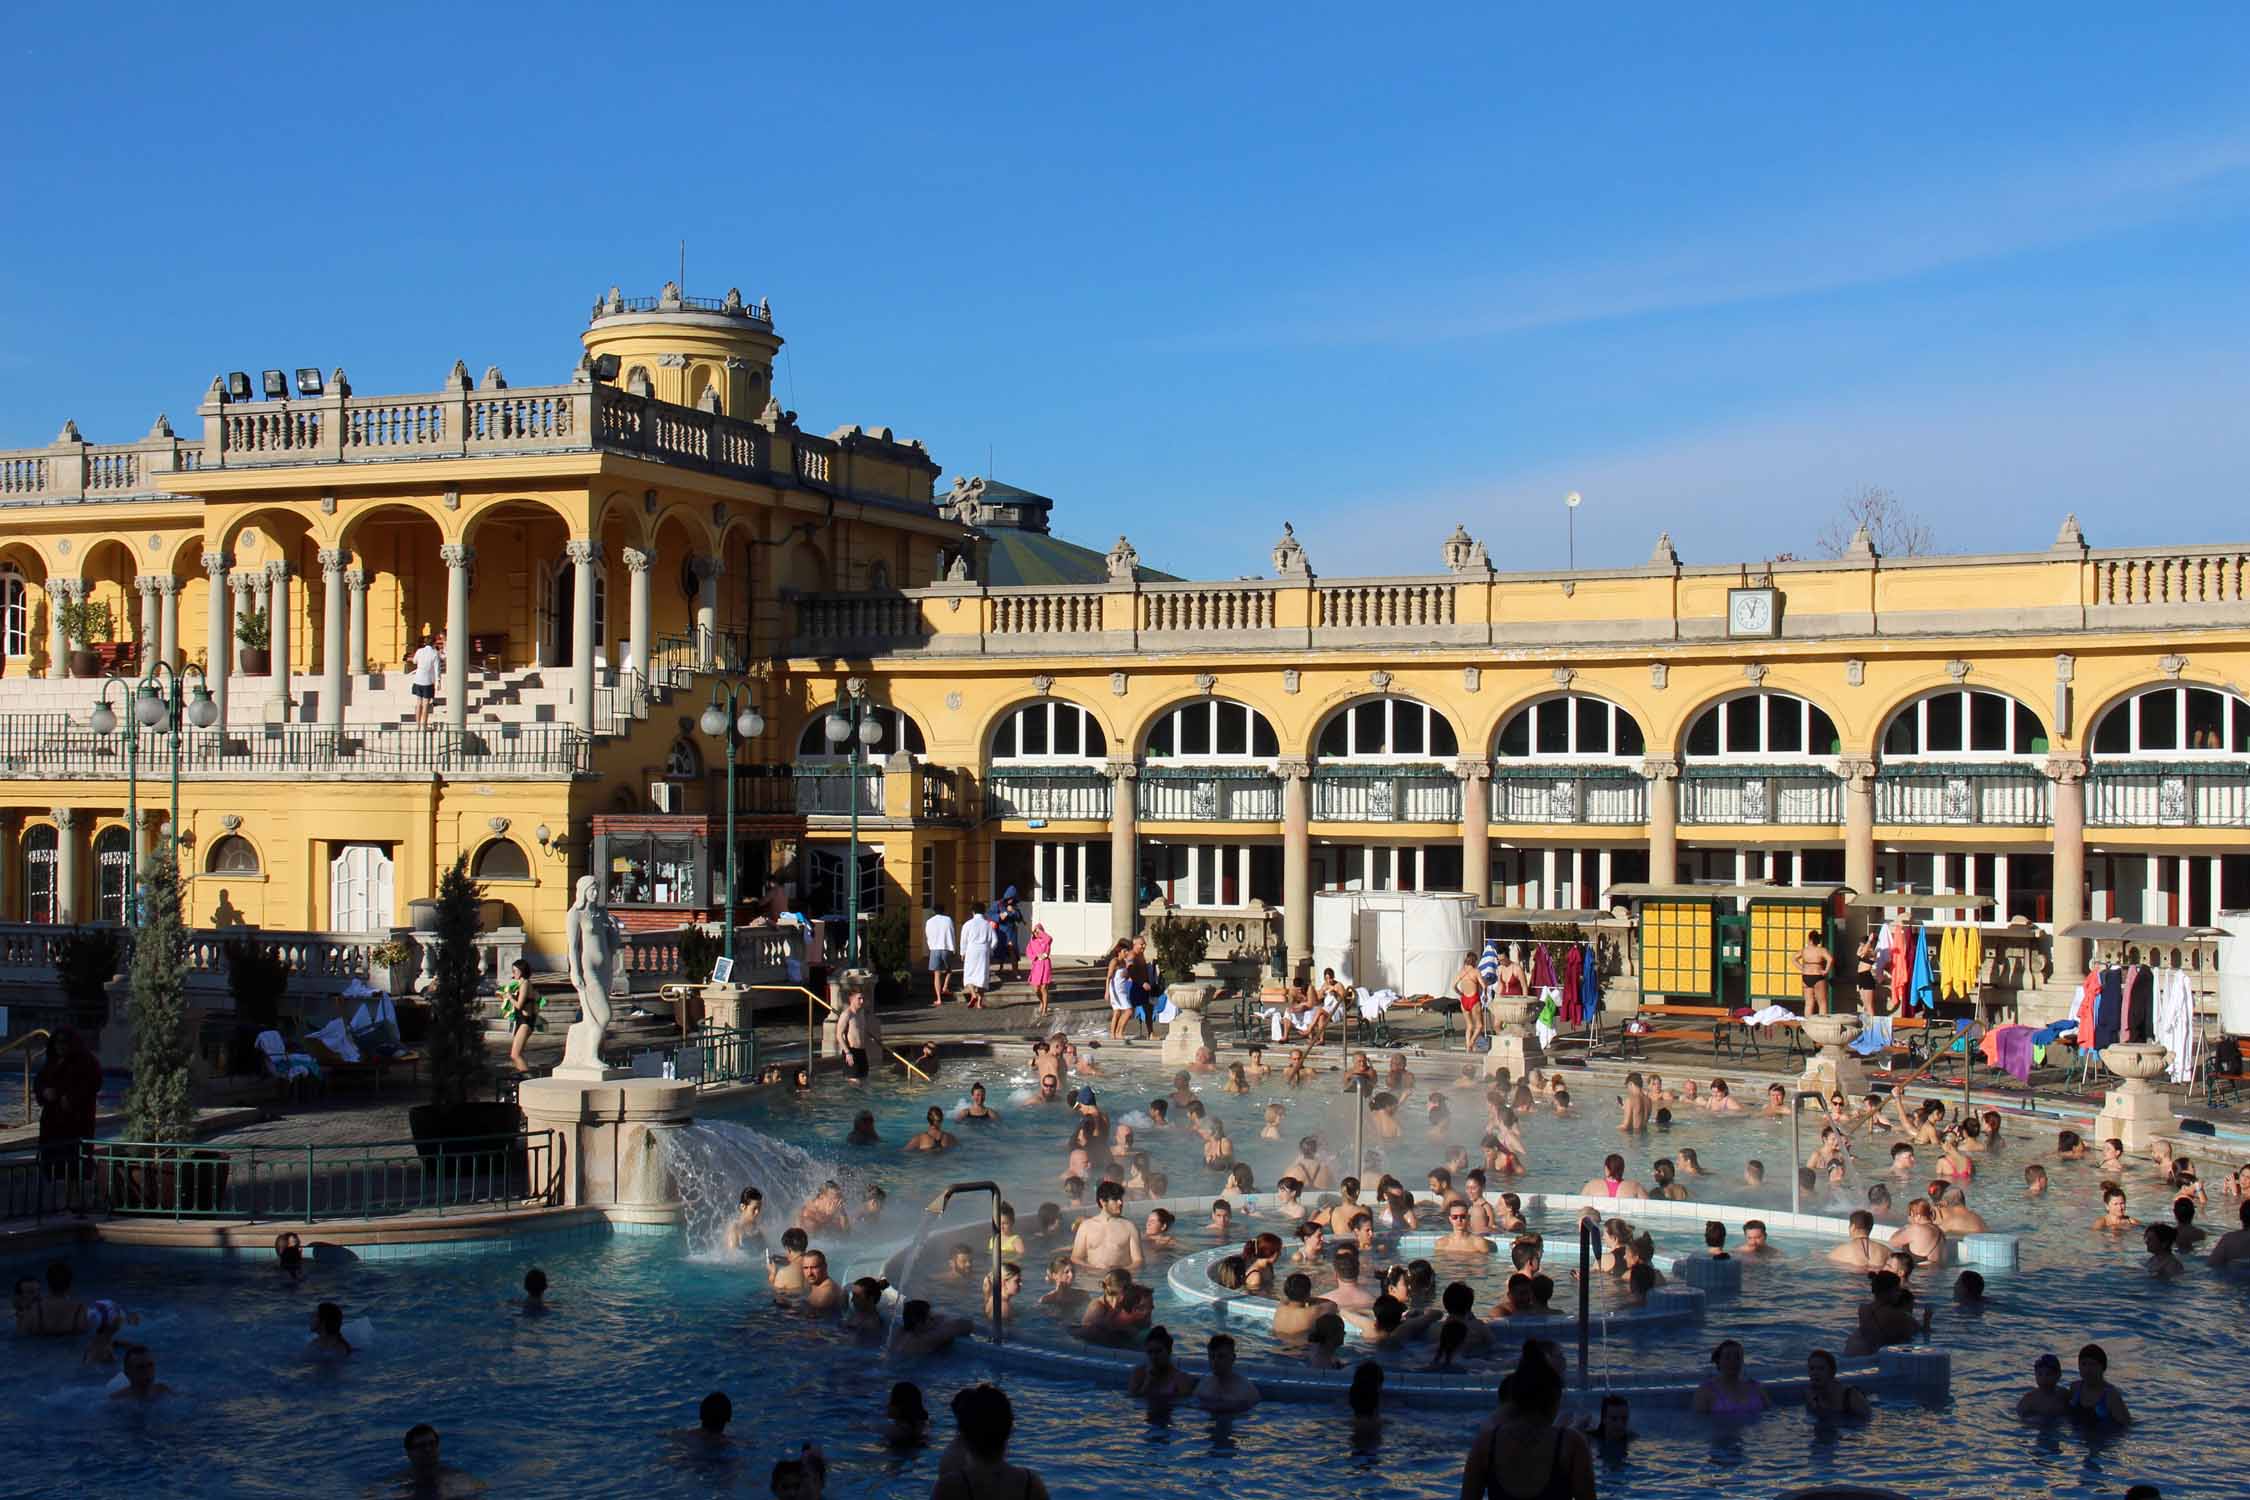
column 2064, row 729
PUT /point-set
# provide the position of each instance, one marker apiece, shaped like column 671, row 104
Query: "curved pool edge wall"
column 1920, row 1372
column 343, row 1241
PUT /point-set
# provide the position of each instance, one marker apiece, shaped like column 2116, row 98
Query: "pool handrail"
column 999, row 1302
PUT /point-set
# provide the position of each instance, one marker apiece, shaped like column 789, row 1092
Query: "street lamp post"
column 853, row 720
column 157, row 702
column 736, row 719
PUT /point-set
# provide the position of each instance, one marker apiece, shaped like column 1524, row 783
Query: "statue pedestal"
column 1188, row 1030
column 1834, row 1068
column 2134, row 1112
column 1515, row 1046
column 723, row 1006
column 608, row 1133
column 582, row 1055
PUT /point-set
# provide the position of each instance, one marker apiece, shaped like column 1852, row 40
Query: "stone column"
column 1296, row 862
column 246, row 584
column 145, row 586
column 1124, row 849
column 1859, row 848
column 458, row 558
column 168, row 619
column 277, row 626
column 332, row 560
column 355, row 632
column 582, row 552
column 60, row 591
column 1663, row 773
column 2069, row 908
column 66, row 864
column 218, row 633
column 707, row 573
column 1476, row 833
column 637, row 565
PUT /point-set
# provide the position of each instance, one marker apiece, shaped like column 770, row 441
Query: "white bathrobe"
column 976, row 952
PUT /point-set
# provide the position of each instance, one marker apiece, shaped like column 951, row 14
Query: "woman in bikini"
column 1523, row 1455
column 1727, row 1392
column 1863, row 973
column 1468, row 988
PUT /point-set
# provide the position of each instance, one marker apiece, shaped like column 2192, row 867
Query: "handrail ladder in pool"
column 999, row 1302
column 811, row 1051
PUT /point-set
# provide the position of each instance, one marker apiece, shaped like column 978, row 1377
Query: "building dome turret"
column 694, row 351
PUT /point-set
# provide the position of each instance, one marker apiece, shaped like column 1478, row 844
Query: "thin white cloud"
column 1861, row 234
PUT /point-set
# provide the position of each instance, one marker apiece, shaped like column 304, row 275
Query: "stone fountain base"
column 1833, row 1067
column 1515, row 1045
column 1189, row 1030
column 2134, row 1112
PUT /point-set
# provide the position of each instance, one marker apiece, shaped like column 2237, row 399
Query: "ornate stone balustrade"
column 2218, row 575
column 1208, row 794
column 72, row 469
column 1568, row 794
column 1760, row 794
column 2182, row 795
column 1060, row 794
column 1385, row 794
column 1958, row 796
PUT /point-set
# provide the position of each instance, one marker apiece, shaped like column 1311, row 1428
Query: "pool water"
column 581, row 1399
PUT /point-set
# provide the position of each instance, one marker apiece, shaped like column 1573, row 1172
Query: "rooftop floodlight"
column 308, row 380
column 277, row 385
column 238, row 386
column 606, row 366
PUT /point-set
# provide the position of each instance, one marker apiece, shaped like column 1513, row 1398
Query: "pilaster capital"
column 1661, row 767
column 639, row 560
column 355, row 579
column 1471, row 768
column 66, row 818
column 1858, row 772
column 246, row 583
column 145, row 585
column 334, row 560
column 708, row 568
column 278, row 570
column 217, row 563
column 72, row 589
column 1122, row 770
column 457, row 554
column 168, row 584
column 582, row 551
column 2066, row 770
column 1293, row 770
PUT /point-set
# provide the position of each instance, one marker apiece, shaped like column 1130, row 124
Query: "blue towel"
column 1873, row 1037
column 1488, row 963
column 1921, row 992
column 1589, row 986
column 2046, row 1034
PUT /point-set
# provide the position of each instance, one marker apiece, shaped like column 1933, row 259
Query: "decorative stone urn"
column 1834, row 1067
column 1515, row 1045
column 2134, row 1112
column 1190, row 1029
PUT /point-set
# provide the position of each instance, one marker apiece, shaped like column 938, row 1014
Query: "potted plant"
column 890, row 955
column 160, row 1105
column 253, row 634
column 85, row 622
column 85, row 962
column 393, row 966
column 699, row 952
column 1178, row 943
column 461, row 1106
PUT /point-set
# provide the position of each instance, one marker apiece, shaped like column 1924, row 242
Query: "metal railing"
column 712, row 1057
column 53, row 746
column 941, row 794
column 2168, row 796
column 303, row 1184
column 675, row 659
column 23, row 1044
column 1061, row 793
column 1758, row 794
column 1568, row 794
column 2001, row 796
column 832, row 791
column 1385, row 794
column 1208, row 794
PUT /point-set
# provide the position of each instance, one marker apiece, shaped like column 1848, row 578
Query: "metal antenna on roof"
column 683, row 268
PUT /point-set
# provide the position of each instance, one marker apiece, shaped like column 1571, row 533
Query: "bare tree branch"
column 1895, row 530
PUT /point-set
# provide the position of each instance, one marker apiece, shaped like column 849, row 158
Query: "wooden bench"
column 1728, row 1037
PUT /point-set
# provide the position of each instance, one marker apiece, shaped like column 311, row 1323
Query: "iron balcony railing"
column 1964, row 796
column 1385, row 794
column 1608, row 795
column 1208, row 794
column 1061, row 793
column 303, row 1184
column 1761, row 794
column 833, row 791
column 2182, row 794
column 713, row 1057
column 54, row 746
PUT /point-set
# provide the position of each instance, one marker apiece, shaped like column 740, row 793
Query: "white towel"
column 1770, row 1015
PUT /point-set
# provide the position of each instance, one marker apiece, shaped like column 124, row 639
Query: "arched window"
column 1570, row 726
column 232, row 854
column 1388, row 729
column 15, row 613
column 2176, row 720
column 113, row 874
column 900, row 732
column 1764, row 726
column 1212, row 729
column 1964, row 721
column 501, row 859
column 41, row 894
column 1049, row 732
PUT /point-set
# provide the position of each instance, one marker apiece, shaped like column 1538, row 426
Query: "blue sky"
column 1196, row 270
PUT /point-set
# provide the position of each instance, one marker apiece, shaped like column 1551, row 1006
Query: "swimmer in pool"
column 936, row 1137
column 1777, row 1102
column 1255, row 1068
column 328, row 1341
column 2113, row 1216
column 1299, row 1072
column 1222, row 1220
column 1921, row 1237
column 2163, row 1262
column 1825, row 1395
column 1271, row 1130
column 2034, row 1180
column 824, row 1210
column 822, row 1293
column 784, row 1272
column 1063, row 1293
column 921, row 1331
column 1613, row 1183
column 1156, row 1232
column 1156, row 1379
column 975, row 1109
column 1459, row 1238
column 1861, row 1252
column 863, row 1309
column 1727, row 1391
column 2046, row 1398
column 2093, row 1401
column 141, row 1383
column 1722, row 1101
column 863, row 1130
column 105, row 1320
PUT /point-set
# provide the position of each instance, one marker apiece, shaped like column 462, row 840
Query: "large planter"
column 421, row 914
column 447, row 1137
column 2135, row 1112
column 1833, row 1067
column 85, row 664
column 193, row 1182
column 254, row 661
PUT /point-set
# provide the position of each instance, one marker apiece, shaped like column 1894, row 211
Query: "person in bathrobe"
column 977, row 939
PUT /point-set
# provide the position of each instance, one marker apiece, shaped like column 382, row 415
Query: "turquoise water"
column 580, row 1400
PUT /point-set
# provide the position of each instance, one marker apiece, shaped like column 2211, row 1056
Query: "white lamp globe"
column 750, row 724
column 839, row 729
column 714, row 721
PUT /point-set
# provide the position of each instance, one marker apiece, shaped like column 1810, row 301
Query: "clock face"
column 1750, row 612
